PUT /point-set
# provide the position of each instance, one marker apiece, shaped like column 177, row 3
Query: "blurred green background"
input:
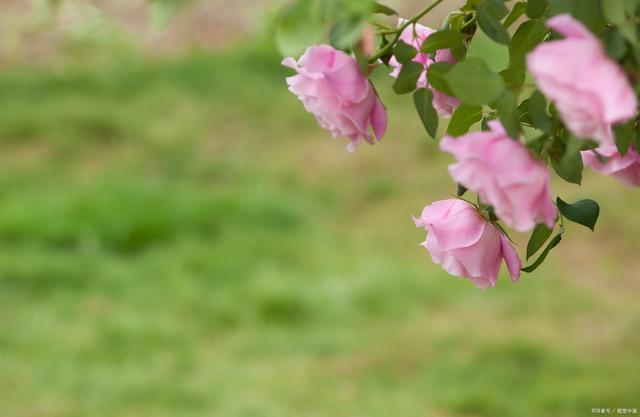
column 179, row 238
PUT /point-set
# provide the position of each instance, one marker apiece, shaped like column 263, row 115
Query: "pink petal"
column 511, row 258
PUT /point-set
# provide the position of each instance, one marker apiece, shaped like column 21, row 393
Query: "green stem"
column 388, row 47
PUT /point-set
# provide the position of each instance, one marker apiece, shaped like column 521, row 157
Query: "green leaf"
column 536, row 8
column 299, row 25
column 436, row 75
column 619, row 11
column 496, row 8
column 569, row 167
column 408, row 77
column 492, row 26
column 539, row 235
column 474, row 83
column 404, row 52
column 463, row 118
column 588, row 12
column 383, row 9
column 423, row 100
column 527, row 37
column 584, row 212
column 444, row 39
column 461, row 190
column 615, row 44
column 622, row 13
column 518, row 10
column 508, row 113
column 495, row 55
column 624, row 134
column 537, row 111
column 554, row 242
column 346, row 32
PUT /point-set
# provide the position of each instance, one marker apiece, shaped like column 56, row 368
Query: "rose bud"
column 330, row 85
column 466, row 244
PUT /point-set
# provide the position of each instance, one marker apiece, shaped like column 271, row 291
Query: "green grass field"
column 179, row 238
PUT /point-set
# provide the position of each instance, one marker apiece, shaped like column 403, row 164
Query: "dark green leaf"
column 569, row 167
column 518, row 10
column 508, row 113
column 554, row 242
column 584, row 212
column 423, row 100
column 492, row 26
column 474, row 83
column 536, row 8
column 496, row 8
column 485, row 122
column 615, row 44
column 404, row 52
column 537, row 110
column 382, row 9
column 539, row 235
column 436, row 75
column 624, row 134
column 444, row 39
column 527, row 37
column 408, row 77
column 588, row 12
column 461, row 190
column 463, row 118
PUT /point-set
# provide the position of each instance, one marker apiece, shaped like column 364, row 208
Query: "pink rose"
column 590, row 91
column 330, row 85
column 465, row 244
column 415, row 35
column 504, row 174
column 625, row 168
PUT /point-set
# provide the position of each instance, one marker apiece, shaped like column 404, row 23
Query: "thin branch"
column 388, row 47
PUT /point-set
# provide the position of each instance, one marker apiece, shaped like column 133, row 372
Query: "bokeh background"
column 179, row 238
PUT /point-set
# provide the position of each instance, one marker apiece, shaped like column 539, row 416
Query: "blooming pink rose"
column 465, row 244
column 590, row 91
column 415, row 35
column 625, row 168
column 504, row 174
column 330, row 85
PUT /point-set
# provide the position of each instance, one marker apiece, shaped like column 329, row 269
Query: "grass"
column 178, row 238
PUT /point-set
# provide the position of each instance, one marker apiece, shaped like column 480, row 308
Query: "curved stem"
column 388, row 47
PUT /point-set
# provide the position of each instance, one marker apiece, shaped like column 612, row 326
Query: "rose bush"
column 507, row 134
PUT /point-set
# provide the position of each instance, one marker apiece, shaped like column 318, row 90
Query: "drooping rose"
column 590, row 90
column 465, row 244
column 415, row 35
column 504, row 174
column 330, row 85
column 624, row 168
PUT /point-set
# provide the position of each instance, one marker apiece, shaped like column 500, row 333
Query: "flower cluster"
column 591, row 121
